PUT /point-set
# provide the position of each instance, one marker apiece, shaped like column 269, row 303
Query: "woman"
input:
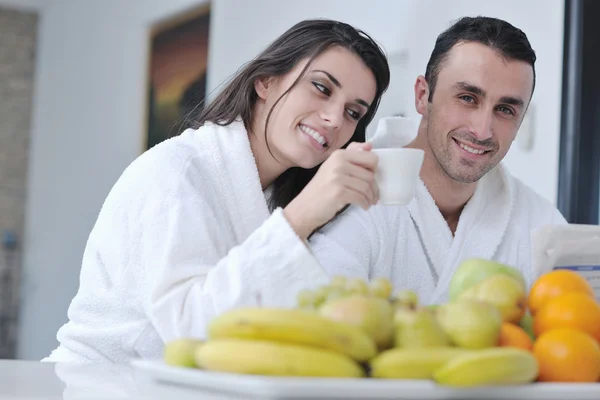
column 218, row 217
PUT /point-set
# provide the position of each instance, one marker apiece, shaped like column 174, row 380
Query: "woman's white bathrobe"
column 413, row 246
column 184, row 235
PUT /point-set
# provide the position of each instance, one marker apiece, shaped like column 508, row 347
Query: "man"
column 476, row 89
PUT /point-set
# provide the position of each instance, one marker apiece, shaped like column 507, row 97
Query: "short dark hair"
column 305, row 40
column 506, row 39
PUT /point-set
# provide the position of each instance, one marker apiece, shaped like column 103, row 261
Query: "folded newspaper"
column 574, row 247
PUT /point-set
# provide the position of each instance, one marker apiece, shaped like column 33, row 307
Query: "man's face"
column 478, row 104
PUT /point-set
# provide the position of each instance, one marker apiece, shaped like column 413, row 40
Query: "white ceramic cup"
column 397, row 174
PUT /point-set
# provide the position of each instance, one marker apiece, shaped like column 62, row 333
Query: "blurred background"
column 86, row 86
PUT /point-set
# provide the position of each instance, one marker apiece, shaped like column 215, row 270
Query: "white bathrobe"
column 413, row 246
column 184, row 235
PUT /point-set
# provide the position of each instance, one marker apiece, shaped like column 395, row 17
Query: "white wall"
column 89, row 108
column 87, row 126
column 537, row 167
column 412, row 26
column 26, row 5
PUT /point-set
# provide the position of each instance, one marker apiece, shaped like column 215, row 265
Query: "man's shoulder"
column 530, row 203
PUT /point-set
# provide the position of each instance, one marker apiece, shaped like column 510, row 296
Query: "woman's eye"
column 353, row 114
column 322, row 88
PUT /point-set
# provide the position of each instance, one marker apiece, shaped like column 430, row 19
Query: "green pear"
column 502, row 291
column 418, row 329
column 432, row 307
column 180, row 352
column 474, row 270
column 372, row 314
column 470, row 324
column 527, row 324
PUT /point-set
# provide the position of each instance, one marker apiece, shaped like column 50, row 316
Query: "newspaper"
column 574, row 247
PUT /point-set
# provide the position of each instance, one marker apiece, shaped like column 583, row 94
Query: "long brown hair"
column 306, row 39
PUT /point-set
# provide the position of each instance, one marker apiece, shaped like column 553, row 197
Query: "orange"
column 572, row 310
column 567, row 355
column 512, row 335
column 553, row 284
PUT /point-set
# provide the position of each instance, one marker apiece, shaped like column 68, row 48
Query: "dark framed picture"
column 177, row 73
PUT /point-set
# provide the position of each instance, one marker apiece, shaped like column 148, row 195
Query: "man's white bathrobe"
column 413, row 246
column 184, row 234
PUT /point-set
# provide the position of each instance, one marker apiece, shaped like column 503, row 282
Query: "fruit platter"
column 494, row 338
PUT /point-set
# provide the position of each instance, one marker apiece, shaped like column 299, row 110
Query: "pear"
column 502, row 291
column 432, row 307
column 180, row 352
column 372, row 314
column 405, row 298
column 470, row 324
column 474, row 270
column 418, row 329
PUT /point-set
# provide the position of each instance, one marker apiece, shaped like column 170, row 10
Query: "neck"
column 268, row 167
column 449, row 195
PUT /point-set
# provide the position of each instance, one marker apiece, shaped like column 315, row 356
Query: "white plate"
column 332, row 388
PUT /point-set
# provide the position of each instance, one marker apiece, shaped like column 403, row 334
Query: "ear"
column 264, row 86
column 421, row 95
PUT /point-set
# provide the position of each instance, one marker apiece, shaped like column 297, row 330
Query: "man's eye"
column 506, row 110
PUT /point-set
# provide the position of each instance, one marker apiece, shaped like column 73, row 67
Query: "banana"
column 491, row 366
column 293, row 326
column 412, row 363
column 271, row 358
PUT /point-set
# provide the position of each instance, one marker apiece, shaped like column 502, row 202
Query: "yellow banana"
column 412, row 363
column 293, row 326
column 271, row 358
column 491, row 366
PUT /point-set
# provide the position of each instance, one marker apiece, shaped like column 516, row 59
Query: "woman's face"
column 320, row 113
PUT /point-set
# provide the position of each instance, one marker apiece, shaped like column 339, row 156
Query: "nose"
column 333, row 114
column 481, row 124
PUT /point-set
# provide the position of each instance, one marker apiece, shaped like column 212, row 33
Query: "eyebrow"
column 513, row 101
column 339, row 85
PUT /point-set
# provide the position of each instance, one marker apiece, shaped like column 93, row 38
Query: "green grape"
column 321, row 294
column 357, row 286
column 337, row 293
column 338, row 281
column 305, row 298
column 381, row 287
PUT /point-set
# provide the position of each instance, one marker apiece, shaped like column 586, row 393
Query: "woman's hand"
column 346, row 177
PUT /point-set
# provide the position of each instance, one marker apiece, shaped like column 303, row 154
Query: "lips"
column 318, row 136
column 470, row 149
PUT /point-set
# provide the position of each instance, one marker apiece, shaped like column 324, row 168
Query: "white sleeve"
column 349, row 245
column 189, row 281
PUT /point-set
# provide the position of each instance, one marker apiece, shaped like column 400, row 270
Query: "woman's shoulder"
column 186, row 165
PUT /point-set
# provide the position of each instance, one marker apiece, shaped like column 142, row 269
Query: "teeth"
column 314, row 134
column 470, row 149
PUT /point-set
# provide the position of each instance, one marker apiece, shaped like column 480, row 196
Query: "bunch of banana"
column 457, row 367
column 261, row 357
column 285, row 342
column 491, row 366
column 412, row 363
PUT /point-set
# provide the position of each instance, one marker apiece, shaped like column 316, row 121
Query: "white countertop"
column 34, row 380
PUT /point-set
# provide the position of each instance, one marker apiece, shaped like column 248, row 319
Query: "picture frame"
column 177, row 73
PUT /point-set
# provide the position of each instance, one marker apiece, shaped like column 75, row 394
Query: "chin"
column 463, row 175
column 307, row 165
